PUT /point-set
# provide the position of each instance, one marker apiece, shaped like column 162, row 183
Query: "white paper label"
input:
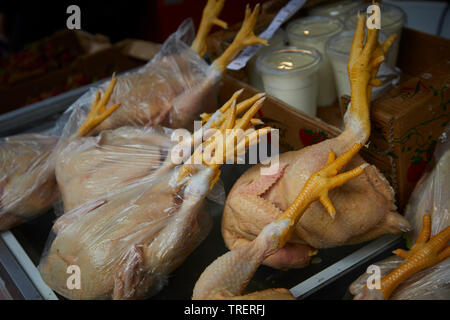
column 285, row 13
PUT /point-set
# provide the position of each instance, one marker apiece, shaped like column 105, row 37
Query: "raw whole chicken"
column 228, row 276
column 365, row 204
column 126, row 242
column 28, row 184
column 87, row 168
column 177, row 85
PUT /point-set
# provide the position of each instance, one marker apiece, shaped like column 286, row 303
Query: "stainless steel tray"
column 26, row 242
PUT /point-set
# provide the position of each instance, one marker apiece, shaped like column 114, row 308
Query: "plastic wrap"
column 431, row 195
column 143, row 224
column 87, row 168
column 27, row 182
column 429, row 284
column 171, row 90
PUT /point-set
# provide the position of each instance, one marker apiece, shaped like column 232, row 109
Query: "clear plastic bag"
column 172, row 88
column 429, row 284
column 27, row 182
column 135, row 202
column 431, row 195
column 127, row 241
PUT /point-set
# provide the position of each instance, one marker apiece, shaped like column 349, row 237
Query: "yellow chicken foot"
column 98, row 111
column 228, row 276
column 317, row 188
column 244, row 38
column 363, row 64
column 229, row 139
column 209, row 19
column 424, row 253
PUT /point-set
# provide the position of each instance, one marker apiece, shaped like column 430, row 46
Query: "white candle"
column 335, row 10
column 314, row 32
column 392, row 20
column 338, row 51
column 254, row 78
column 290, row 74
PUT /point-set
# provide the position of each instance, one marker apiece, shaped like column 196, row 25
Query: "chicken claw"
column 98, row 111
column 209, row 19
column 424, row 253
column 245, row 37
column 317, row 187
column 232, row 136
column 228, row 276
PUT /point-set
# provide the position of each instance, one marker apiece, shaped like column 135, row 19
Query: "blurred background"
column 22, row 22
column 41, row 58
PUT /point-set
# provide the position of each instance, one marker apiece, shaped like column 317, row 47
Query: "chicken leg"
column 424, row 253
column 209, row 19
column 228, row 276
column 365, row 204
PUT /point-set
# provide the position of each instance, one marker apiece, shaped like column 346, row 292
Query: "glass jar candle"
column 290, row 74
column 254, row 78
column 338, row 51
column 392, row 20
column 337, row 9
column 314, row 32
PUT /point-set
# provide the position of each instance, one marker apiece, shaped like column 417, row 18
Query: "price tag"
column 284, row 14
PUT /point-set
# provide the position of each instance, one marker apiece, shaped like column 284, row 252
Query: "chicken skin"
column 365, row 204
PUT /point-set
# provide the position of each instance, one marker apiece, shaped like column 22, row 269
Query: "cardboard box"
column 406, row 122
column 96, row 59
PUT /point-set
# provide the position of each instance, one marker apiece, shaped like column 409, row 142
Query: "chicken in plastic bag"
column 126, row 242
column 27, row 181
column 178, row 85
column 427, row 206
column 28, row 184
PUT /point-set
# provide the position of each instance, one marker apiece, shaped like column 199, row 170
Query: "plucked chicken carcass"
column 228, row 276
column 177, row 85
column 127, row 242
column 28, row 184
column 365, row 204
